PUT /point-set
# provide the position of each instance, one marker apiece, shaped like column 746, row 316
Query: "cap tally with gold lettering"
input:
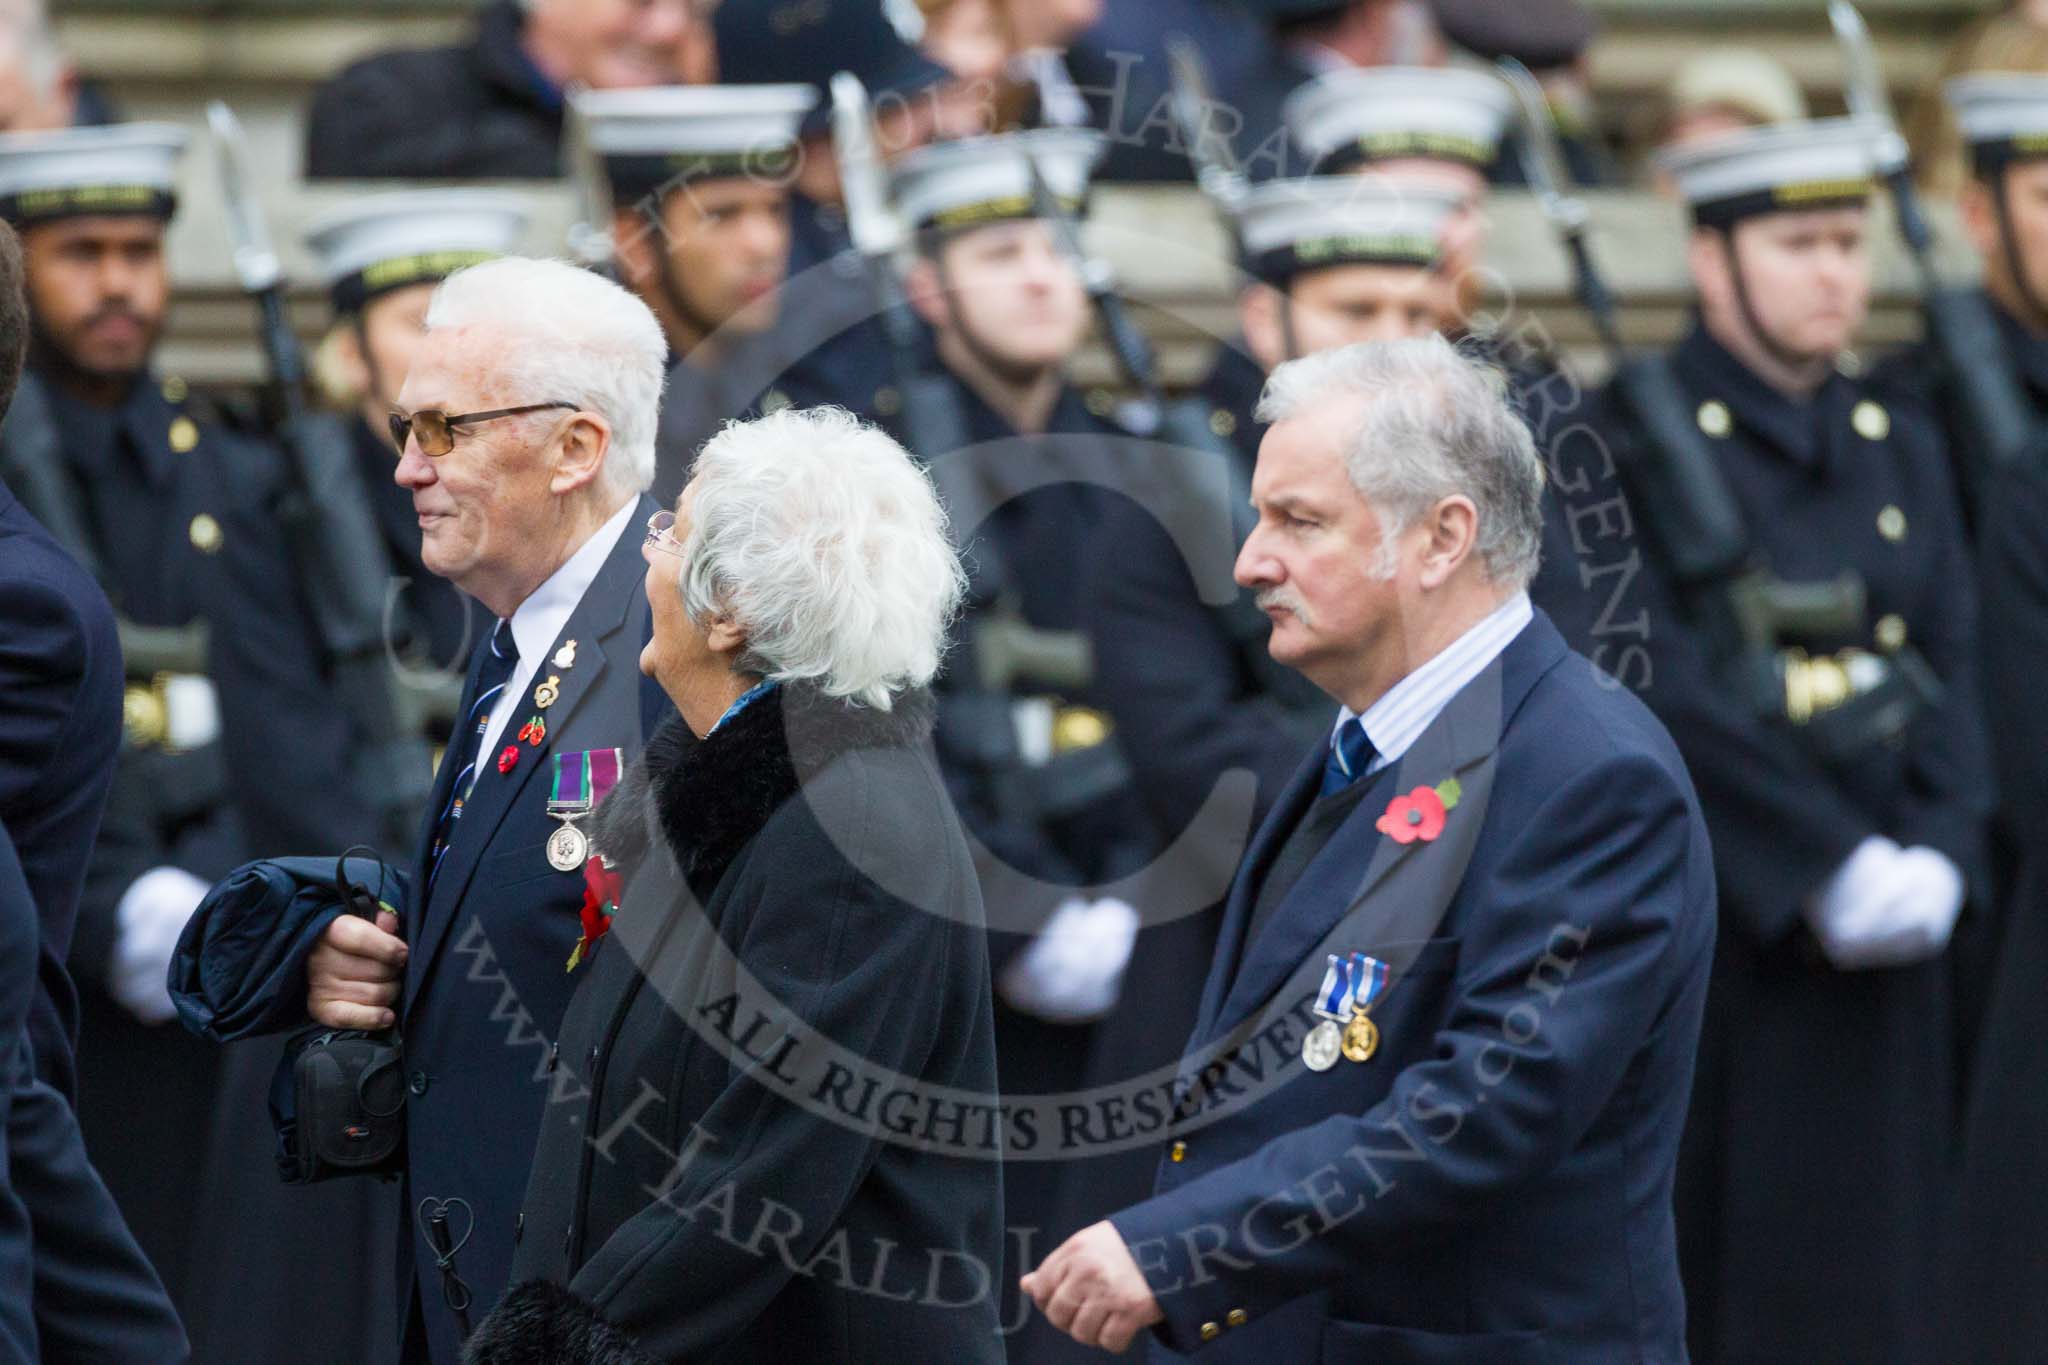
column 2003, row 117
column 1289, row 227
column 372, row 246
column 1786, row 167
column 1359, row 115
column 975, row 180
column 652, row 140
column 124, row 169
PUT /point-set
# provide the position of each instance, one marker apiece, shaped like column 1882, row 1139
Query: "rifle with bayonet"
column 1996, row 422
column 978, row 725
column 325, row 511
column 1750, row 619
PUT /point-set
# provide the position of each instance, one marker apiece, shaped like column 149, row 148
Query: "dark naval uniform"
column 1813, row 1177
column 1998, row 1284
column 177, row 513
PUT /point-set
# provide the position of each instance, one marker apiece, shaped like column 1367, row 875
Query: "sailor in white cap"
column 1845, row 852
column 694, row 183
column 2003, row 118
column 2001, row 1308
column 1437, row 125
column 380, row 258
column 233, row 742
column 1008, row 310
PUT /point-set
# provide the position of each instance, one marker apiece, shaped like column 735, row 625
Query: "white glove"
column 1886, row 906
column 1934, row 895
column 1073, row 970
column 151, row 915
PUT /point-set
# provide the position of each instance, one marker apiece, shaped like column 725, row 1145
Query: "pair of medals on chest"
column 1352, row 985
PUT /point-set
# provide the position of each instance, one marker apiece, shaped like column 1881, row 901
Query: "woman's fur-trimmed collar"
column 708, row 797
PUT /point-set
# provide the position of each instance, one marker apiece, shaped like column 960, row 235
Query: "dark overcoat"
column 710, row 1185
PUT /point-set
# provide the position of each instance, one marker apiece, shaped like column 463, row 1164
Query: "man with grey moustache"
column 1494, row 884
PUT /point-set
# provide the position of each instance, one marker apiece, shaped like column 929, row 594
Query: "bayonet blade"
column 870, row 222
column 255, row 262
column 1542, row 160
column 1864, row 88
column 1208, row 150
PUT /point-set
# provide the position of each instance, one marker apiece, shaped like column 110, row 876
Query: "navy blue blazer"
column 60, row 673
column 487, row 982
column 1494, row 1185
column 73, row 1283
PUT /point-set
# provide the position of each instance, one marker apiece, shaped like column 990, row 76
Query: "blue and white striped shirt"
column 1397, row 719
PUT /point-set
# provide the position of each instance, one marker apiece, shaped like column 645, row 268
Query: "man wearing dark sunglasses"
column 526, row 427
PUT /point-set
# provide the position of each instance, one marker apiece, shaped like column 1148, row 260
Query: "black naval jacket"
column 816, row 854
column 1841, row 481
column 182, row 512
column 477, row 111
column 1811, row 1184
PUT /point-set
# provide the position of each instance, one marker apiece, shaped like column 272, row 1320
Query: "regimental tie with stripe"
column 500, row 658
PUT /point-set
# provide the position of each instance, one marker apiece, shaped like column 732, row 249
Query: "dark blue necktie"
column 1351, row 753
column 500, row 657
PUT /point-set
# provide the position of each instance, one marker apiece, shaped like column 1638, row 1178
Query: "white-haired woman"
column 771, row 1133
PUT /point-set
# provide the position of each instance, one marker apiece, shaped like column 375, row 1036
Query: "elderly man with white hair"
column 1442, row 1063
column 773, row 1129
column 527, row 429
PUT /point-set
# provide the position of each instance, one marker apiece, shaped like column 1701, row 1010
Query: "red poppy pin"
column 509, row 757
column 601, row 890
column 1420, row 814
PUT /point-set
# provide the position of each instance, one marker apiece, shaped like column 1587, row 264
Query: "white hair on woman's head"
column 1436, row 422
column 827, row 546
column 571, row 336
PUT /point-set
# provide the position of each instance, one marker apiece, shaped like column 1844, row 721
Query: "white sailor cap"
column 1287, row 227
column 1362, row 114
column 371, row 246
column 124, row 168
column 2003, row 116
column 977, row 180
column 1817, row 164
column 661, row 137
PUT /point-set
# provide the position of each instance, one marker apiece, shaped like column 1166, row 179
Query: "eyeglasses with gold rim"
column 435, row 429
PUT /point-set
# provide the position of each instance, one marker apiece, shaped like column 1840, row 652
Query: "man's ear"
column 1706, row 257
column 1258, row 312
column 634, row 242
column 581, row 447
column 1452, row 528
column 927, row 292
column 1980, row 219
